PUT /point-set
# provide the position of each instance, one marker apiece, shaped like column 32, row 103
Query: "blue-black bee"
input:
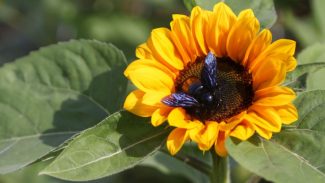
column 198, row 93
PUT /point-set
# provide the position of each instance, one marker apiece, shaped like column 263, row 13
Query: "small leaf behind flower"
column 119, row 142
column 296, row 154
column 314, row 54
column 189, row 4
column 297, row 78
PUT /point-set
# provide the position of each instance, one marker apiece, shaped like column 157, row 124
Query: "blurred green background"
column 28, row 25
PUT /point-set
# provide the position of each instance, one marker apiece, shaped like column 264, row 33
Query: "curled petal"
column 288, row 113
column 143, row 52
column 207, row 136
column 243, row 131
column 262, row 132
column 176, row 140
column 160, row 115
column 264, row 117
column 219, row 145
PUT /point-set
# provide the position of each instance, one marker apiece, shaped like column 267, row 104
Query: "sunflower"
column 213, row 75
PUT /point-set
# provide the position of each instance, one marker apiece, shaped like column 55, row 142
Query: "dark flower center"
column 232, row 93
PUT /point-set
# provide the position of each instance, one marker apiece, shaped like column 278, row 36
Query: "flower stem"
column 219, row 173
column 193, row 162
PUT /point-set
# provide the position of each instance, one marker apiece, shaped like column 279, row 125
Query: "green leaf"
column 296, row 154
column 264, row 10
column 297, row 80
column 54, row 93
column 193, row 157
column 117, row 143
column 170, row 165
column 189, row 4
column 314, row 54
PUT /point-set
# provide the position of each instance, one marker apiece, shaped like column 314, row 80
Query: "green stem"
column 193, row 162
column 219, row 173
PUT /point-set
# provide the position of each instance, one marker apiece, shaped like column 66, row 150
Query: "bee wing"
column 180, row 99
column 209, row 72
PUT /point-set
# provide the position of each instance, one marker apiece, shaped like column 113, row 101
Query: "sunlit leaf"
column 293, row 155
column 54, row 93
column 117, row 143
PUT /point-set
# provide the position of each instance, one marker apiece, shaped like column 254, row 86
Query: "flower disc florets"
column 231, row 94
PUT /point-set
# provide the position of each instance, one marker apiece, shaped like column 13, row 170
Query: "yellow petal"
column 143, row 52
column 232, row 122
column 199, row 22
column 164, row 50
column 141, row 63
column 241, row 35
column 133, row 103
column 282, row 51
column 288, row 113
column 243, row 131
column 269, row 73
column 160, row 116
column 154, row 98
column 149, row 79
column 178, row 118
column 257, row 46
column 274, row 96
column 221, row 21
column 262, row 132
column 176, row 139
column 182, row 37
column 219, row 145
column 265, row 117
column 207, row 136
column 285, row 46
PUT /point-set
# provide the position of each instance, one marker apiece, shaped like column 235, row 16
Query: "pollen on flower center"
column 233, row 92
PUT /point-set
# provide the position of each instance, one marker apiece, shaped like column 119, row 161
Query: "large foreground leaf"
column 294, row 155
column 264, row 10
column 117, row 143
column 54, row 93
